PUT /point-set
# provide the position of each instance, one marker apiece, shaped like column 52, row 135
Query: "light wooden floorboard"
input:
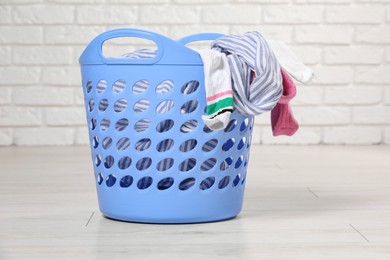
column 301, row 202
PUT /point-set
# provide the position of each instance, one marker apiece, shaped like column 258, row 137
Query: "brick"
column 5, row 15
column 304, row 135
column 62, row 116
column 72, row 34
column 5, row 136
column 324, row 34
column 353, row 55
column 62, row 76
column 388, row 14
column 371, row 115
column 307, row 95
column 373, row 75
column 43, row 136
column 353, row 95
column 352, row 135
column 43, row 96
column 20, row 116
column 308, row 54
column 139, row 1
column 81, row 136
column 20, row 1
column 5, row 55
column 387, row 95
column 5, row 96
column 322, row 115
column 323, row 1
column 262, row 1
column 387, row 135
column 274, row 32
column 19, row 75
column 263, row 119
column 373, row 1
column 79, row 96
column 77, row 1
column 373, row 34
column 45, row 55
column 256, row 135
column 180, row 31
column 332, row 75
column 21, row 34
column 43, row 14
column 113, row 14
column 388, row 54
column 168, row 15
column 292, row 14
column 232, row 14
column 362, row 14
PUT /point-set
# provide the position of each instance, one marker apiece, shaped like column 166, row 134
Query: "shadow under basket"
column 154, row 159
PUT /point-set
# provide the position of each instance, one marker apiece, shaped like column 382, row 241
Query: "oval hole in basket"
column 120, row 105
column 164, row 106
column 189, row 107
column 165, row 183
column 189, row 126
column 188, row 145
column 123, row 143
column 118, row 86
column 208, row 164
column 141, row 106
column 129, row 48
column 165, row 145
column 165, row 164
column 121, row 124
column 126, row 181
column 143, row 144
column 140, row 86
column 210, row 145
column 110, row 180
column 223, row 182
column 190, row 87
column 187, row 183
column 164, row 87
column 105, row 124
column 142, row 125
column 144, row 182
column 103, row 104
column 164, row 125
column 124, row 162
column 187, row 164
column 106, row 143
column 207, row 183
column 101, row 86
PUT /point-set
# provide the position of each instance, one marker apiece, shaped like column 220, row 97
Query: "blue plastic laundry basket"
column 154, row 160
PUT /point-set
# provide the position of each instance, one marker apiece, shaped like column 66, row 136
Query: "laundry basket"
column 154, row 159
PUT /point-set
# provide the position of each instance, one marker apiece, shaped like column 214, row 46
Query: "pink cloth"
column 282, row 119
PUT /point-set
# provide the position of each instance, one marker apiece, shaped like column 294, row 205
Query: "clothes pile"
column 250, row 74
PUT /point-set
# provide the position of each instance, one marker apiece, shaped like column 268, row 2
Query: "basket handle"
column 168, row 51
column 199, row 37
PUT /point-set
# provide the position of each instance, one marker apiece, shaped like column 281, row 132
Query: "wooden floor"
column 301, row 202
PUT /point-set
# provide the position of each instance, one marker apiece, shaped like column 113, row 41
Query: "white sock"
column 218, row 85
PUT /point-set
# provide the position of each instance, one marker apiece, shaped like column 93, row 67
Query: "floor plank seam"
column 93, row 212
column 359, row 232
column 312, row 192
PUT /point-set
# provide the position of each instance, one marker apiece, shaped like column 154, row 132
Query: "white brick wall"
column 346, row 42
